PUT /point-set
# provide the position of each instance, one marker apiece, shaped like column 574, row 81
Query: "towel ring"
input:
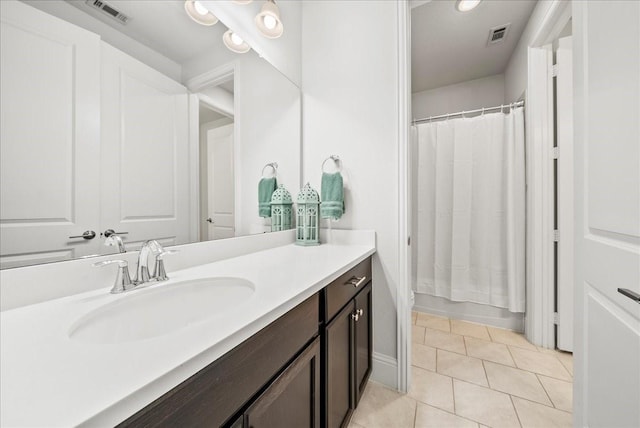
column 335, row 159
column 273, row 166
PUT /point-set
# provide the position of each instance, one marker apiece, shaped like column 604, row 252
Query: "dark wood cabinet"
column 363, row 342
column 308, row 368
column 216, row 394
column 293, row 399
column 339, row 386
column 347, row 353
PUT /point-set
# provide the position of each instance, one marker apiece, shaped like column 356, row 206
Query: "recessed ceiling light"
column 234, row 42
column 268, row 20
column 467, row 5
column 199, row 13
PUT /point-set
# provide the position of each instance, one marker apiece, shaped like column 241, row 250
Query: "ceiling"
column 449, row 47
column 162, row 25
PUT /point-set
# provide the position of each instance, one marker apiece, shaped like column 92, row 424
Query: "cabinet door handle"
column 630, row 294
column 87, row 234
column 356, row 282
column 355, row 316
column 360, row 312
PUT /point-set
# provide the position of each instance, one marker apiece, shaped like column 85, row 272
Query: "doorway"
column 216, row 161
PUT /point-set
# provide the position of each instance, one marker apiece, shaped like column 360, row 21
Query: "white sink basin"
column 161, row 309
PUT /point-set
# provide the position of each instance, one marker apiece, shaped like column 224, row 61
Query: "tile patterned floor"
column 471, row 375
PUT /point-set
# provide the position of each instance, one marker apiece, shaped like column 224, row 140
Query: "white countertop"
column 47, row 379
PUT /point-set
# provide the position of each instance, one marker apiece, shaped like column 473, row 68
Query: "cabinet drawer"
column 340, row 291
column 211, row 396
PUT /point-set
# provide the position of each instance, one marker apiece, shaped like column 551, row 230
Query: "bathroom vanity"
column 307, row 367
column 291, row 348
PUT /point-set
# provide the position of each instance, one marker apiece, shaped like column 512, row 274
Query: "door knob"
column 107, row 233
column 87, row 234
column 210, row 220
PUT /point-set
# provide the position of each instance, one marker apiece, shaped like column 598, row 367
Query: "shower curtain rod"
column 463, row 113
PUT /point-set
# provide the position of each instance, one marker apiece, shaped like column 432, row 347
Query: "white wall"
column 267, row 119
column 350, row 108
column 126, row 44
column 473, row 94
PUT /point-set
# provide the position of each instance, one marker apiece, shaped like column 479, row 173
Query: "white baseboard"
column 385, row 370
column 473, row 312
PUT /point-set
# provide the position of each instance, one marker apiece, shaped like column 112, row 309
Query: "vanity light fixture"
column 268, row 20
column 199, row 13
column 234, row 42
column 242, row 1
column 467, row 5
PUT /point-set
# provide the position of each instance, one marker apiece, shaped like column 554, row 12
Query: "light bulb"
column 467, row 5
column 269, row 22
column 237, row 40
column 200, row 9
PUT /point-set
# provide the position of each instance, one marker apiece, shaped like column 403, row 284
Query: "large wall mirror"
column 131, row 117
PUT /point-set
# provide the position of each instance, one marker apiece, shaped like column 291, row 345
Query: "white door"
column 220, row 183
column 607, row 234
column 145, row 152
column 565, row 192
column 50, row 137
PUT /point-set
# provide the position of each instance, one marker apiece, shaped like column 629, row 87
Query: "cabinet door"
column 49, row 137
column 362, row 351
column 339, row 369
column 293, row 399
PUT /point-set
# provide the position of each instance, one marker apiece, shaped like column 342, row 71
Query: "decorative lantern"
column 307, row 225
column 281, row 209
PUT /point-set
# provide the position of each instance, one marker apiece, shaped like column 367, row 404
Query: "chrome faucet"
column 142, row 270
column 154, row 248
column 123, row 280
column 115, row 241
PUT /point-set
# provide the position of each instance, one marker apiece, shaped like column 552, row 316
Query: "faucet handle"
column 159, row 273
column 123, row 280
column 114, row 240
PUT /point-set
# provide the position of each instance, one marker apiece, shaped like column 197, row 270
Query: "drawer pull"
column 356, row 282
column 630, row 294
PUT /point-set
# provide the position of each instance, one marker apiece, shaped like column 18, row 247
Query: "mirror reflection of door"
column 220, row 190
column 216, row 163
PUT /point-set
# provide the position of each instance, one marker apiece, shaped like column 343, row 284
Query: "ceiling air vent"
column 108, row 10
column 498, row 34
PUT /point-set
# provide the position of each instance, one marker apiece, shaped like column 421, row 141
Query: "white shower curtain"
column 471, row 209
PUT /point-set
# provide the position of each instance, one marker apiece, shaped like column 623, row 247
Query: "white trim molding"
column 384, row 369
column 539, row 317
column 554, row 21
column 212, row 78
column 540, row 198
column 403, row 289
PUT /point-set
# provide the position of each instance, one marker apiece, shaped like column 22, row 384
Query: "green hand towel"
column 332, row 196
column 266, row 187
